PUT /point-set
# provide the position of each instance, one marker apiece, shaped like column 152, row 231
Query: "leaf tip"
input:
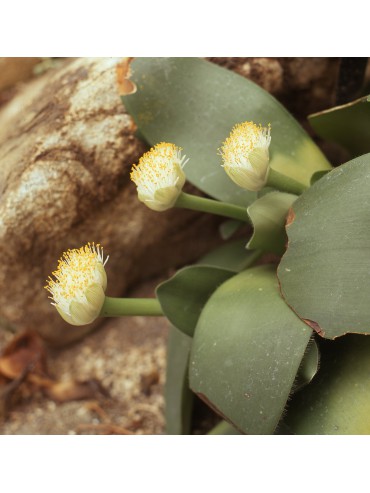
column 315, row 326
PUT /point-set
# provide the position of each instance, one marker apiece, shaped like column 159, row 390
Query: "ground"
column 127, row 357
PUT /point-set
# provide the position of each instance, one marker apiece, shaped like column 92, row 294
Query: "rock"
column 15, row 69
column 66, row 149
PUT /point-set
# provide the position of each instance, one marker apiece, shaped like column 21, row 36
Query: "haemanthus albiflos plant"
column 247, row 336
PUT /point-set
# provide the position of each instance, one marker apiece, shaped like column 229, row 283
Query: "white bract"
column 245, row 154
column 78, row 290
column 159, row 177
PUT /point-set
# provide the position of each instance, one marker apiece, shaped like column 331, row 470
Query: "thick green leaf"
column 247, row 348
column 318, row 175
column 224, row 428
column 308, row 367
column 325, row 273
column 194, row 104
column 348, row 125
column 268, row 215
column 183, row 297
column 179, row 398
column 228, row 228
column 231, row 256
column 337, row 402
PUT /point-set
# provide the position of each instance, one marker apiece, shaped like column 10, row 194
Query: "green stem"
column 284, row 183
column 120, row 307
column 211, row 206
column 223, row 428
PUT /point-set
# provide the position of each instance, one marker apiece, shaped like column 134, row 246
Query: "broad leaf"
column 194, row 104
column 228, row 228
column 231, row 256
column 348, row 125
column 337, row 402
column 183, row 297
column 324, row 274
column 268, row 215
column 179, row 398
column 246, row 351
column 318, row 175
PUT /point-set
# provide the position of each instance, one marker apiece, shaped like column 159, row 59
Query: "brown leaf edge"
column 215, row 409
column 311, row 323
column 123, row 74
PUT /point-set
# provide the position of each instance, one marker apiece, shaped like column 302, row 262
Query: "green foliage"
column 179, row 398
column 324, row 274
column 243, row 340
column 347, row 125
column 183, row 297
column 268, row 215
column 308, row 367
column 228, row 228
column 337, row 402
column 224, row 428
column 243, row 360
column 181, row 291
column 194, row 104
column 231, row 256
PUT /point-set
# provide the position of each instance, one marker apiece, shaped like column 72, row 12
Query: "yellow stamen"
column 246, row 156
column 77, row 271
column 159, row 176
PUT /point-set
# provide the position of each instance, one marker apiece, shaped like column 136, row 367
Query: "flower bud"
column 245, row 154
column 159, row 176
column 78, row 290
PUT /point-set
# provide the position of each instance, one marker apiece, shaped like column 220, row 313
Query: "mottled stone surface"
column 16, row 69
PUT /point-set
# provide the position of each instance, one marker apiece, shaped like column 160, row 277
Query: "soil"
column 127, row 357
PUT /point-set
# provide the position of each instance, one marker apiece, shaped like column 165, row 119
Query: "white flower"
column 159, row 176
column 78, row 291
column 245, row 154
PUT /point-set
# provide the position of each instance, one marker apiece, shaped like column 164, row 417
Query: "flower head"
column 245, row 154
column 79, row 285
column 159, row 176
